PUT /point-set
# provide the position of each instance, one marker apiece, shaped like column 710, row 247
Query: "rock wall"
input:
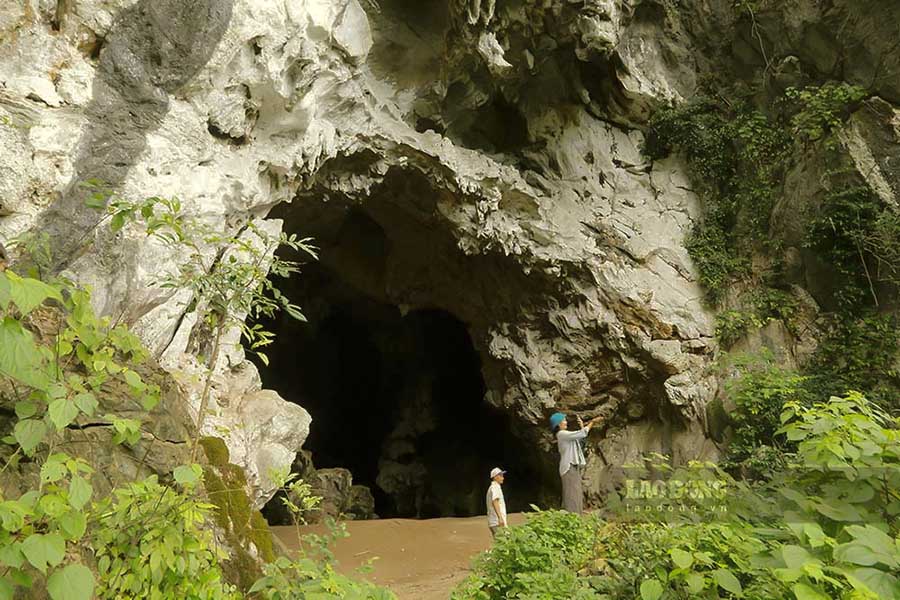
column 496, row 144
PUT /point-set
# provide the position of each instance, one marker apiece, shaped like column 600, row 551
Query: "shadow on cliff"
column 154, row 48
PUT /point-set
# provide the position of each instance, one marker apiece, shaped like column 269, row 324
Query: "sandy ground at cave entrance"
column 417, row 559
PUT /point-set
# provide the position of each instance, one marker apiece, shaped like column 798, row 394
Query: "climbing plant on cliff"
column 228, row 273
column 735, row 157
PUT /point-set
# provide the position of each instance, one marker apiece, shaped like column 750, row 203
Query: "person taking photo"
column 571, row 459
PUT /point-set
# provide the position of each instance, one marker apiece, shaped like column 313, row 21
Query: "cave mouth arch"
column 397, row 397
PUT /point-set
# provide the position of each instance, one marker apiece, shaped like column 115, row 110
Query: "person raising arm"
column 571, row 459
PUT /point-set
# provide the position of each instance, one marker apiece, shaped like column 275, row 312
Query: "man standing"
column 496, row 505
column 571, row 459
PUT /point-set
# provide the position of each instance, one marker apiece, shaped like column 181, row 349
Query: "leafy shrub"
column 685, row 560
column 56, row 359
column 732, row 325
column 551, row 544
column 312, row 573
column 858, row 352
column 827, row 527
column 837, row 235
column 712, row 248
column 287, row 579
column 758, row 395
column 841, row 503
column 145, row 539
column 152, row 541
column 822, row 109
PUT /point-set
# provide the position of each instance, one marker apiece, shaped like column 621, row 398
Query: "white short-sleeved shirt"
column 495, row 492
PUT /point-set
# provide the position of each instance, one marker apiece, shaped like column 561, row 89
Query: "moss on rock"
column 242, row 526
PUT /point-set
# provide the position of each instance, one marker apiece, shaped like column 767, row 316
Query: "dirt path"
column 418, row 560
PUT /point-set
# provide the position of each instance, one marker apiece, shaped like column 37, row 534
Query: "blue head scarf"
column 556, row 419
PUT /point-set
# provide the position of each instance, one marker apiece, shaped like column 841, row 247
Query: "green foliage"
column 58, row 363
column 827, row 527
column 881, row 241
column 39, row 526
column 229, row 273
column 712, row 248
column 735, row 158
column 535, row 556
column 842, row 502
column 303, row 578
column 839, row 234
column 312, row 573
column 757, row 396
column 821, row 110
column 858, row 352
column 732, row 325
column 710, row 559
column 772, row 303
column 765, row 304
column 154, row 542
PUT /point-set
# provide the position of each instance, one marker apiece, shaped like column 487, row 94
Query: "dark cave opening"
column 398, row 399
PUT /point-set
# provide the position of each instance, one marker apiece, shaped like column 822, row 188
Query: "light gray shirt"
column 495, row 492
column 570, row 452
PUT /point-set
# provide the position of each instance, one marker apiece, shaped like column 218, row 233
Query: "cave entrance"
column 397, row 398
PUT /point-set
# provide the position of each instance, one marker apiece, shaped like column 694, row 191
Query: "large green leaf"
column 29, row 433
column 695, row 582
column 728, row 582
column 12, row 515
column 837, row 510
column 11, row 555
column 43, row 550
column 20, row 357
column 794, row 556
column 651, row 589
column 805, row 592
column 682, row 559
column 880, row 542
column 883, row 584
column 855, row 553
column 73, row 524
column 86, row 403
column 27, row 294
column 73, row 582
column 62, row 412
column 80, row 492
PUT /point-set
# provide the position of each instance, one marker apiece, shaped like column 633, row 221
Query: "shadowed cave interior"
column 396, row 397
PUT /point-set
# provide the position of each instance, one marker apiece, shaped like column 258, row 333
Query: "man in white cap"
column 496, row 505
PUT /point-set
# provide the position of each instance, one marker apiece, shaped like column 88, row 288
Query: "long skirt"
column 572, row 496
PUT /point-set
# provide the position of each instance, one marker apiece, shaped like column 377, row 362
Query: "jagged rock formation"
column 496, row 146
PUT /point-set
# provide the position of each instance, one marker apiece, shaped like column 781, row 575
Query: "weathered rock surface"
column 493, row 144
column 572, row 254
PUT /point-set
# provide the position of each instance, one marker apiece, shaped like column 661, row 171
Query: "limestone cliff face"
column 496, row 144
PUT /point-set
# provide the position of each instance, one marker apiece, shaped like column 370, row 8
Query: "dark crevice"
column 217, row 133
column 497, row 127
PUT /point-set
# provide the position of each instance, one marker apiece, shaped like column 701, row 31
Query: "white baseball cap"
column 497, row 471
